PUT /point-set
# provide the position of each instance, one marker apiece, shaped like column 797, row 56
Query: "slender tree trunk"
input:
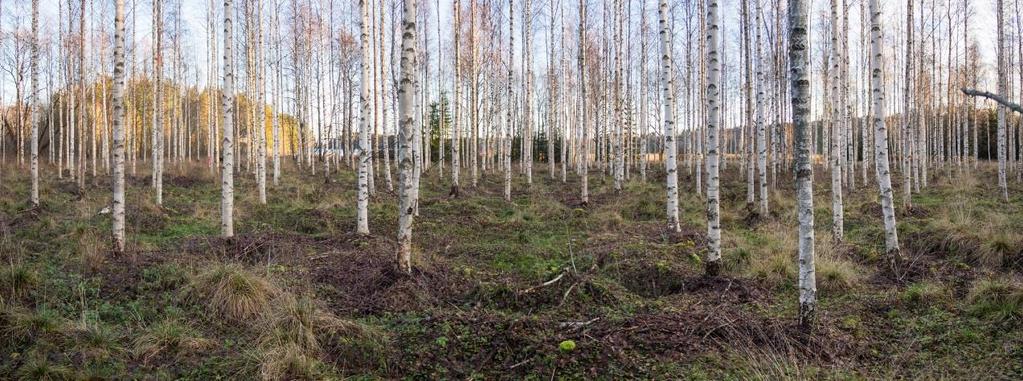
column 668, row 89
column 760, row 125
column 511, row 100
column 157, row 142
column 1002, row 89
column 906, row 104
column 837, row 133
column 366, row 120
column 227, row 103
column 585, row 149
column 34, row 107
column 749, row 117
column 884, row 179
column 619, row 110
column 713, row 129
column 406, row 115
column 799, row 58
column 118, row 95
column 456, row 104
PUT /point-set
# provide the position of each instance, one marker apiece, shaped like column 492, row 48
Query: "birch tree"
column 34, row 107
column 1002, row 89
column 584, row 186
column 366, row 118
column 511, row 99
column 884, row 179
column 456, row 103
column 760, row 125
column 157, row 142
column 799, row 79
column 406, row 121
column 227, row 145
column 668, row 89
column 713, row 124
column 837, row 133
column 117, row 208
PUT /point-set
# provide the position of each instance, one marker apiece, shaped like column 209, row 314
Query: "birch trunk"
column 837, row 133
column 366, row 118
column 117, row 208
column 668, row 89
column 585, row 149
column 619, row 117
column 157, row 143
column 406, row 122
column 884, row 178
column 227, row 103
column 34, row 106
column 750, row 121
column 799, row 77
column 1002, row 88
column 456, row 104
column 713, row 120
column 906, row 114
column 511, row 99
column 760, row 126
column 260, row 129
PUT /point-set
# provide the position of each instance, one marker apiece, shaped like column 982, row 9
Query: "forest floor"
column 539, row 288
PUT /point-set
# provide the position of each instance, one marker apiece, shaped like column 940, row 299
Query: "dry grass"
column 21, row 323
column 91, row 250
column 17, row 282
column 169, row 337
column 997, row 299
column 289, row 362
column 297, row 335
column 232, row 292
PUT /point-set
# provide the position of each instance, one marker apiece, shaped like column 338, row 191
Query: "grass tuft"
column 234, row 293
column 997, row 299
column 18, row 281
column 39, row 367
column 169, row 337
column 297, row 323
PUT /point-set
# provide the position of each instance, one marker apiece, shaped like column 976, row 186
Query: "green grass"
column 478, row 307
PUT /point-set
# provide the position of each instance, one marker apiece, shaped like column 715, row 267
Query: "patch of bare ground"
column 479, row 341
column 363, row 280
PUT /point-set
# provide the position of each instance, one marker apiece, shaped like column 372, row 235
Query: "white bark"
column 227, row 147
column 117, row 208
column 619, row 111
column 511, row 100
column 366, row 118
column 456, row 111
column 583, row 155
column 837, row 132
column 760, row 125
column 34, row 106
column 157, row 142
column 260, row 108
column 527, row 103
column 1002, row 87
column 668, row 89
column 406, row 122
column 713, row 123
column 884, row 178
column 907, row 84
column 799, row 71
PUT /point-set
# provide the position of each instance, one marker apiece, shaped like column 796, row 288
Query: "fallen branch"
column 544, row 284
column 577, row 324
column 521, row 363
column 994, row 97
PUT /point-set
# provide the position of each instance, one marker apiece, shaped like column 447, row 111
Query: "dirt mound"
column 364, row 281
